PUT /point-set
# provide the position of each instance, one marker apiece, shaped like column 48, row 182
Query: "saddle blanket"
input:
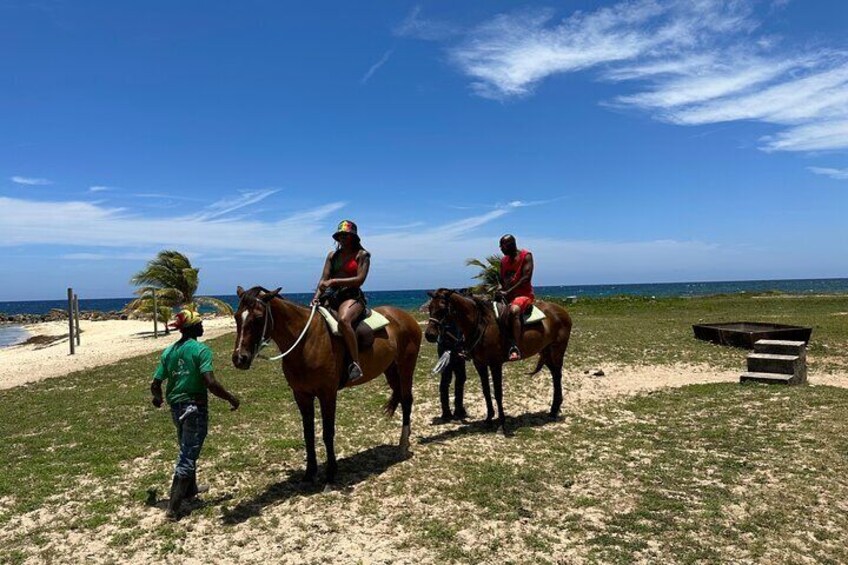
column 373, row 320
column 532, row 316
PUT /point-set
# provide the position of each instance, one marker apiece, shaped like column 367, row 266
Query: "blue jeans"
column 191, row 431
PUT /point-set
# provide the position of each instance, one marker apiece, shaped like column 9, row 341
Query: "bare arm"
column 364, row 261
column 218, row 390
column 325, row 276
column 526, row 273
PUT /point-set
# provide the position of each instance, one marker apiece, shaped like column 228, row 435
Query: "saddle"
column 533, row 316
column 369, row 322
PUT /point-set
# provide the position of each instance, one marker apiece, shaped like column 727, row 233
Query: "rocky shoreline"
column 57, row 315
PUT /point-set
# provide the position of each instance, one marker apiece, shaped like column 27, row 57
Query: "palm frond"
column 219, row 305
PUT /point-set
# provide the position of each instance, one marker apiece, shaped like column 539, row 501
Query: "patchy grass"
column 704, row 473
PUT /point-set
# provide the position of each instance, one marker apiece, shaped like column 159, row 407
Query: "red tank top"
column 511, row 271
column 347, row 270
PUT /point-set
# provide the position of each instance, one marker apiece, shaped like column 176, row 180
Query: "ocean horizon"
column 412, row 299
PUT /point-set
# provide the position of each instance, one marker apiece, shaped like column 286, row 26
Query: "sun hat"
column 185, row 319
column 346, row 227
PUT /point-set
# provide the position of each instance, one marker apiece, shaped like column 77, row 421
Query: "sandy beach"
column 101, row 343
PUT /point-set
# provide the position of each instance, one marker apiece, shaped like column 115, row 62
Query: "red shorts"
column 523, row 302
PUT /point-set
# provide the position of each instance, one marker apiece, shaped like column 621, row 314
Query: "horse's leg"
column 554, row 364
column 328, row 424
column 306, row 404
column 483, row 371
column 497, row 378
column 401, row 385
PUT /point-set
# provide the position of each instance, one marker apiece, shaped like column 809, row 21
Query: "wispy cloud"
column 416, row 27
column 100, row 188
column 838, row 174
column 225, row 206
column 30, row 181
column 376, row 66
column 692, row 63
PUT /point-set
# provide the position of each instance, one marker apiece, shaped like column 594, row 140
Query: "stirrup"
column 354, row 372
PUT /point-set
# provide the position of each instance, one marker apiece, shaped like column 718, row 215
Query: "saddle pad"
column 375, row 320
column 531, row 317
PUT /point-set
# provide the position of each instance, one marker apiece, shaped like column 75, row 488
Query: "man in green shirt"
column 187, row 366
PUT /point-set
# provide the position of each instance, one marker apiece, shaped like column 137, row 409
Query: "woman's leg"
column 349, row 311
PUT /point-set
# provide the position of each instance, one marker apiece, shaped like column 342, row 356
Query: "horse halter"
column 264, row 341
column 440, row 323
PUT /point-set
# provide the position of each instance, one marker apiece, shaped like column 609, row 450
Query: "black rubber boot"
column 179, row 488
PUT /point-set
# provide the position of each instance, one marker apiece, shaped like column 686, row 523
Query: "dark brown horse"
column 488, row 348
column 314, row 367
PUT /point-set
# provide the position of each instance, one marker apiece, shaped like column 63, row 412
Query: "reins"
column 262, row 343
column 480, row 330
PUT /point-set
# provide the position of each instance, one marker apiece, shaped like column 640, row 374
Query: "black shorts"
column 335, row 298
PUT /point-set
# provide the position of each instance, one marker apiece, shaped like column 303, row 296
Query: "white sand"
column 102, row 342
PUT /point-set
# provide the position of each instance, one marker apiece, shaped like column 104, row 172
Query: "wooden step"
column 780, row 347
column 768, row 378
column 773, row 363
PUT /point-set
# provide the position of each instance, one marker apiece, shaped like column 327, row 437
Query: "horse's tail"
column 392, row 403
column 539, row 364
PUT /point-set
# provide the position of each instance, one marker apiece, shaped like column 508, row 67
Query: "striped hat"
column 346, row 227
column 185, row 319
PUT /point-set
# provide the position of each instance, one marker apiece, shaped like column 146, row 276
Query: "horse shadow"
column 482, row 427
column 351, row 471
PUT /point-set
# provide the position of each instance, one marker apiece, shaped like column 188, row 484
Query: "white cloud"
column 30, row 181
column 838, row 174
column 227, row 205
column 376, row 66
column 100, row 188
column 692, row 63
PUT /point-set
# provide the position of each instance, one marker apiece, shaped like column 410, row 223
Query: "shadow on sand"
column 351, row 470
column 512, row 423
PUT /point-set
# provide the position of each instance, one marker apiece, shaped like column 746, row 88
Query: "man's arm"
column 156, row 392
column 218, row 390
column 526, row 273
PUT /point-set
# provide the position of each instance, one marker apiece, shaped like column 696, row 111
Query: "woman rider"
column 340, row 287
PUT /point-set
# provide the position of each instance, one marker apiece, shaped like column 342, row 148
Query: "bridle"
column 439, row 323
column 262, row 343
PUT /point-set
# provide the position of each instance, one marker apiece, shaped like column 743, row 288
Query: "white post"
column 76, row 317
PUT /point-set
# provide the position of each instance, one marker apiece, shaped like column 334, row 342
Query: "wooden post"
column 155, row 316
column 71, row 319
column 76, row 317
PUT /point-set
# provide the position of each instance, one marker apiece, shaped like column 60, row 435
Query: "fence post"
column 71, row 319
column 76, row 317
column 155, row 316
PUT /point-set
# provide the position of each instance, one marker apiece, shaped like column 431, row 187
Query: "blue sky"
column 633, row 141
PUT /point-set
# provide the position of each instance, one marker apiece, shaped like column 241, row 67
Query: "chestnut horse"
column 315, row 365
column 488, row 348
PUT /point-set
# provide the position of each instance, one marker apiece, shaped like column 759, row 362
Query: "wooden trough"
column 746, row 334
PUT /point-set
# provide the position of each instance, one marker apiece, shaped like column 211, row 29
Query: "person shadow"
column 351, row 471
column 482, row 427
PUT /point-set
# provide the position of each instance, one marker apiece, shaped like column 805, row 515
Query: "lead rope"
column 300, row 337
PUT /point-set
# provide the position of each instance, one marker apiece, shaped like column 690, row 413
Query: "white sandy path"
column 102, row 342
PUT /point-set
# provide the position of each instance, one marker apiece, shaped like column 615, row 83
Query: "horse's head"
column 254, row 324
column 440, row 311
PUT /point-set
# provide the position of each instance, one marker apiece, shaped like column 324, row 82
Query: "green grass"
column 704, row 473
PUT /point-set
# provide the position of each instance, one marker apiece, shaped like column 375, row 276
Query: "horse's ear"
column 273, row 294
column 239, row 291
column 431, row 294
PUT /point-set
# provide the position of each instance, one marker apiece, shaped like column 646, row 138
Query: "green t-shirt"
column 183, row 364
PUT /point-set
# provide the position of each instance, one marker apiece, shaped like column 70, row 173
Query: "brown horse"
column 315, row 366
column 488, row 348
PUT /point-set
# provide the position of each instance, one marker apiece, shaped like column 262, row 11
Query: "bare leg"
column 306, row 404
column 349, row 311
column 515, row 323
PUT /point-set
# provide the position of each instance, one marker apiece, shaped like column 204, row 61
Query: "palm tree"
column 175, row 281
column 489, row 274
